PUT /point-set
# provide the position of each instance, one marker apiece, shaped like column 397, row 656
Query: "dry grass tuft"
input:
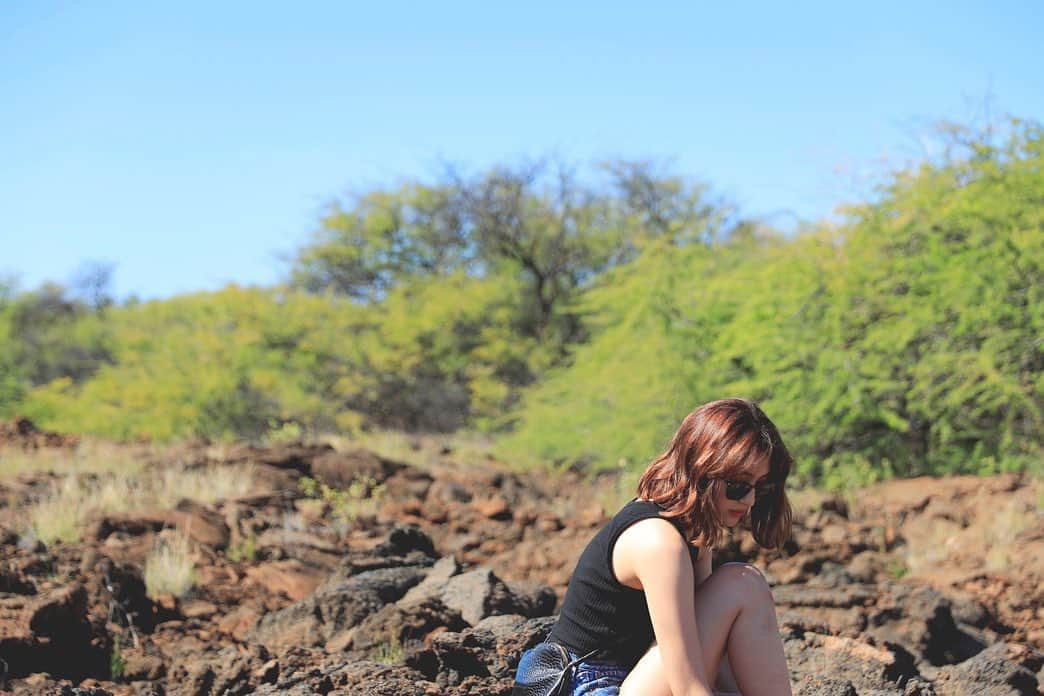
column 58, row 516
column 390, row 652
column 169, row 567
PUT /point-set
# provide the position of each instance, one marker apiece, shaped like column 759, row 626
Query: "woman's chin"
column 733, row 518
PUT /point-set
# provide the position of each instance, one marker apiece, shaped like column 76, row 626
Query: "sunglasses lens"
column 737, row 490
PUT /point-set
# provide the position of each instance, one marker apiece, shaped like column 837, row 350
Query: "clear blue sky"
column 191, row 143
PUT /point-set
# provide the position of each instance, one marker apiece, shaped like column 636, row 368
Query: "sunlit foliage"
column 906, row 341
column 580, row 316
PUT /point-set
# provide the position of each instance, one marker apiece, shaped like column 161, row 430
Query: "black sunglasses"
column 738, row 490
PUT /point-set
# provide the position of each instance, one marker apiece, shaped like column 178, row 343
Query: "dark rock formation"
column 459, row 572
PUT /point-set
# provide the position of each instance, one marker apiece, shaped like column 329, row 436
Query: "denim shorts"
column 593, row 678
column 590, row 677
column 597, row 678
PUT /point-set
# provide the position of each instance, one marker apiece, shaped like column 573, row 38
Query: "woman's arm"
column 653, row 553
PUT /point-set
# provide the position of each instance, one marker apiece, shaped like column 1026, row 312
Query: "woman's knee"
column 744, row 579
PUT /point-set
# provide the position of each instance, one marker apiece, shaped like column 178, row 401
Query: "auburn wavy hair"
column 721, row 440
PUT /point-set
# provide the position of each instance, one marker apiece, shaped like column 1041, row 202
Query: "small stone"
column 495, row 508
column 167, row 602
column 198, row 609
column 267, row 673
column 548, row 524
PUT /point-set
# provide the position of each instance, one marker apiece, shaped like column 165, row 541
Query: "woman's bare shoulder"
column 649, row 541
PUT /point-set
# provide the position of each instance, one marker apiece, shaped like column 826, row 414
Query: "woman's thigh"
column 647, row 677
column 718, row 602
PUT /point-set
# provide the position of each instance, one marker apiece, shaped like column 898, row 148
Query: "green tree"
column 51, row 335
column 12, row 381
column 382, row 238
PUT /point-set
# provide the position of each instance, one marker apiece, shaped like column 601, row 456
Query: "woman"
column 643, row 608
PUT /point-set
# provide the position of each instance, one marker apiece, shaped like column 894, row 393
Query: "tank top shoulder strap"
column 637, row 510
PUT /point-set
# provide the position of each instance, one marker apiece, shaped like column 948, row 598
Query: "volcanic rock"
column 991, row 672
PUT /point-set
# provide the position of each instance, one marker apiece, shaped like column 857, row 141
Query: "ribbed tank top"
column 600, row 613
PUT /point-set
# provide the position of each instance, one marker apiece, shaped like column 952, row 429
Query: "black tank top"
column 600, row 613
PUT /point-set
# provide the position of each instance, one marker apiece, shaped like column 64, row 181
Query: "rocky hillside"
column 340, row 571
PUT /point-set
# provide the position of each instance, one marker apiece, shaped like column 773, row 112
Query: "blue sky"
column 192, row 144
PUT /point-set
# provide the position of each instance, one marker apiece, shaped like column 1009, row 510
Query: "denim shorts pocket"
column 598, row 679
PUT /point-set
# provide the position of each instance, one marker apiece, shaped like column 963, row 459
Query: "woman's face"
column 730, row 512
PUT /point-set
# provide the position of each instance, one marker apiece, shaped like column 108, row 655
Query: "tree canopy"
column 581, row 314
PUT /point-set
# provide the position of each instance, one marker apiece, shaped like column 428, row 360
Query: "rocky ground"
column 433, row 580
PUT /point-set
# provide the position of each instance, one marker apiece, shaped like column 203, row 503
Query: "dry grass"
column 59, row 516
column 89, row 457
column 62, row 514
column 207, row 485
column 169, row 567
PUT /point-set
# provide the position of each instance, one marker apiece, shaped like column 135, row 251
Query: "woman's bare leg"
column 735, row 616
column 726, row 680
